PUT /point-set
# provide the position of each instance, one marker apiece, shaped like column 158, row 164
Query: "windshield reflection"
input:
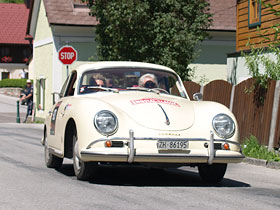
column 125, row 79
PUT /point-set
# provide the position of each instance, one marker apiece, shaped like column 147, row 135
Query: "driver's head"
column 148, row 81
column 99, row 82
column 99, row 79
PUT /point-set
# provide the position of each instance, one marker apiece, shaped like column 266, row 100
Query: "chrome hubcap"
column 77, row 162
column 47, row 154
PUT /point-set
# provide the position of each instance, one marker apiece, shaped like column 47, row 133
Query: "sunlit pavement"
column 8, row 109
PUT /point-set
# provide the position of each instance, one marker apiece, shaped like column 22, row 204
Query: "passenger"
column 148, row 81
column 99, row 79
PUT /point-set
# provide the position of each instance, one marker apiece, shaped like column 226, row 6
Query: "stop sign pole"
column 67, row 55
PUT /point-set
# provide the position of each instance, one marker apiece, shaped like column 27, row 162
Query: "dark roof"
column 13, row 23
column 62, row 12
column 224, row 14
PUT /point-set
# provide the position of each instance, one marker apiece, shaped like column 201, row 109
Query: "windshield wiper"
column 114, row 90
column 144, row 89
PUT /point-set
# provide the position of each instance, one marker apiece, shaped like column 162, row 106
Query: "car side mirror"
column 197, row 96
column 56, row 97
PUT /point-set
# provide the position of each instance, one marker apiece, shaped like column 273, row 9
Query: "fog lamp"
column 108, row 144
column 226, row 146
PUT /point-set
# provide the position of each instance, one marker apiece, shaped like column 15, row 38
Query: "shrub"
column 21, row 83
column 251, row 148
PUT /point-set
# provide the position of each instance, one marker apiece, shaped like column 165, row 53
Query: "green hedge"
column 21, row 83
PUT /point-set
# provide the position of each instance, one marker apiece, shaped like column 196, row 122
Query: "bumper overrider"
column 131, row 152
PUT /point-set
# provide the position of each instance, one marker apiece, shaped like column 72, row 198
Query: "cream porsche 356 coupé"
column 137, row 113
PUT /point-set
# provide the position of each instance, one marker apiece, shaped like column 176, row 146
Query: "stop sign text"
column 67, row 55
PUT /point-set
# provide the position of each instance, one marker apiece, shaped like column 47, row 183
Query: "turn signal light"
column 226, row 146
column 108, row 143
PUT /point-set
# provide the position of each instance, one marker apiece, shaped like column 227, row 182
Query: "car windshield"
column 125, row 79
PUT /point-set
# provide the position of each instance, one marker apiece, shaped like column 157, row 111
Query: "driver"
column 148, row 81
column 99, row 80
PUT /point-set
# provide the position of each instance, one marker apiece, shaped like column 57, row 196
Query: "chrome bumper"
column 129, row 155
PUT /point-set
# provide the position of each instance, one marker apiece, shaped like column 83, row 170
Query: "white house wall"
column 48, row 39
column 238, row 70
column 42, row 57
column 82, row 39
column 211, row 63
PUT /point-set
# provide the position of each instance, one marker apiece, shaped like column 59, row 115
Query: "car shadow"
column 142, row 176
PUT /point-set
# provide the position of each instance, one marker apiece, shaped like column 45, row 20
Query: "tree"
column 165, row 32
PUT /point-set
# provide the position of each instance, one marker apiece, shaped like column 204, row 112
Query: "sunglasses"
column 150, row 84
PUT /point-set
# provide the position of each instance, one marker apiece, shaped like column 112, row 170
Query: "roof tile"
column 63, row 12
column 13, row 23
column 224, row 14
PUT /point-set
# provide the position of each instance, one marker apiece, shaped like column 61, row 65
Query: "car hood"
column 155, row 111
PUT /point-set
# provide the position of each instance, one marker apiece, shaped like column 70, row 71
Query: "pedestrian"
column 22, row 74
column 28, row 97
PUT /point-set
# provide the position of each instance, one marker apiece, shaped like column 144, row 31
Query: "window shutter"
column 37, row 93
column 44, row 95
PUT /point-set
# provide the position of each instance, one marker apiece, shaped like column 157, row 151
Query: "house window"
column 40, row 86
column 5, row 75
column 80, row 4
column 254, row 13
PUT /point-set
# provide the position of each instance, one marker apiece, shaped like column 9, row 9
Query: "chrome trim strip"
column 173, row 156
column 56, row 152
column 161, row 139
column 100, row 154
column 131, row 147
column 144, row 138
column 167, row 122
column 149, row 155
column 230, row 157
column 162, row 155
column 211, row 149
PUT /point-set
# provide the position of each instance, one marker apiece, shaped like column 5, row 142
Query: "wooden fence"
column 253, row 119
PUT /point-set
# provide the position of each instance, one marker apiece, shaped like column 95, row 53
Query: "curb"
column 14, row 92
column 36, row 125
column 259, row 162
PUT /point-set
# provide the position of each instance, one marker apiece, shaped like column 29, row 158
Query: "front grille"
column 217, row 146
column 117, row 143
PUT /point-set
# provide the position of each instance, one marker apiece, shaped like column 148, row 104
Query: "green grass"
column 12, row 1
column 251, row 148
column 38, row 121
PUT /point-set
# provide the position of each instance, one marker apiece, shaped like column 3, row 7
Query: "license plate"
column 172, row 145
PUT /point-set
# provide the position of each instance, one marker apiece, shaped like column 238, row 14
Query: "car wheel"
column 83, row 170
column 51, row 160
column 212, row 173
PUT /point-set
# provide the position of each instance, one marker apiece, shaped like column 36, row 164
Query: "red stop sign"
column 67, row 55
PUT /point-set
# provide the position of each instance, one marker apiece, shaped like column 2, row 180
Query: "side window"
column 62, row 92
column 254, row 13
column 71, row 85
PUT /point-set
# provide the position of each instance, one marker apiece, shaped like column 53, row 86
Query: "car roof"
column 110, row 64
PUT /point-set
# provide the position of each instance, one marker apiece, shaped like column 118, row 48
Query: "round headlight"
column 106, row 122
column 223, row 126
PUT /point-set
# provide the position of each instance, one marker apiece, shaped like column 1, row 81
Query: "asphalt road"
column 8, row 109
column 26, row 183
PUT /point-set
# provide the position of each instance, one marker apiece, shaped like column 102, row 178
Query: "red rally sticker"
column 153, row 100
